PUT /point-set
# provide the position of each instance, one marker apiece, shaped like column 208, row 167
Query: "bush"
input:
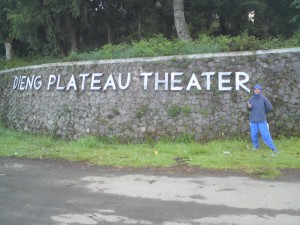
column 161, row 46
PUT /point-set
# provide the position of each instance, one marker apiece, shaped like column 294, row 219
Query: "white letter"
column 16, row 83
column 193, row 82
column 57, row 85
column 146, row 75
column 37, row 82
column 239, row 82
column 72, row 83
column 84, row 75
column 165, row 81
column 173, row 81
column 22, row 83
column 29, row 83
column 94, row 81
column 52, row 80
column 120, row 81
column 221, row 81
column 110, row 82
column 208, row 75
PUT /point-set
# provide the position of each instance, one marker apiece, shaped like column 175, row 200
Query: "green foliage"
column 174, row 111
column 186, row 110
column 110, row 51
column 52, row 27
column 279, row 42
column 160, row 46
column 142, row 112
column 296, row 5
column 75, row 56
column 155, row 46
column 115, row 111
column 22, row 62
column 265, row 172
column 204, row 112
column 185, row 138
column 244, row 42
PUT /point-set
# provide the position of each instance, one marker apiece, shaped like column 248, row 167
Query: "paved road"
column 43, row 192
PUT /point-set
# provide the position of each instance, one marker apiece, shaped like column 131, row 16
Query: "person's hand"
column 249, row 105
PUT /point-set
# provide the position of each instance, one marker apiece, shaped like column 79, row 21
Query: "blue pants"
column 263, row 129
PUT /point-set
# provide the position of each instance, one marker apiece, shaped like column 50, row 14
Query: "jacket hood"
column 257, row 87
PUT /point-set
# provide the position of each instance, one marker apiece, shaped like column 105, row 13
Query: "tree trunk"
column 110, row 33
column 180, row 24
column 140, row 25
column 222, row 22
column 53, row 22
column 8, row 49
column 72, row 33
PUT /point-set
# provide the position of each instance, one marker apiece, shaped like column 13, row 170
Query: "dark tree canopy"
column 55, row 27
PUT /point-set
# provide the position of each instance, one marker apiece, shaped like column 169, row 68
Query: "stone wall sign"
column 201, row 97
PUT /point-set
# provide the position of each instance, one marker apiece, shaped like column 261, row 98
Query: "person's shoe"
column 255, row 149
column 274, row 152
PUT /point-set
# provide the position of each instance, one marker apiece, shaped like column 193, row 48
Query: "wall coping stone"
column 154, row 59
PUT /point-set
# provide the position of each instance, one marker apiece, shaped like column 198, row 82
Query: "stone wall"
column 194, row 96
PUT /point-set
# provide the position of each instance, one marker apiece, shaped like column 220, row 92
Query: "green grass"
column 222, row 154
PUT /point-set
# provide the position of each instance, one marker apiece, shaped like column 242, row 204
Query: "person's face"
column 256, row 91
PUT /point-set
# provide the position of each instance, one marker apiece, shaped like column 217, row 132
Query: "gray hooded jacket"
column 260, row 106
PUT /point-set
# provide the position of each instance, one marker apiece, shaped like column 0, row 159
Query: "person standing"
column 259, row 106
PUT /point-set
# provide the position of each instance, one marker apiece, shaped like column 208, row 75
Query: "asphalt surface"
column 45, row 192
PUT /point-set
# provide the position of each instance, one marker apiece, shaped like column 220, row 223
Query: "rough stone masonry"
column 194, row 96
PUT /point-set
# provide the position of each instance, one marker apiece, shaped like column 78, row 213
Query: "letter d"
column 16, row 83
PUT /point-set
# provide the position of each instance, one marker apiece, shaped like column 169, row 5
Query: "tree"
column 155, row 17
column 52, row 27
column 8, row 49
column 296, row 5
column 47, row 26
column 233, row 15
column 5, row 36
column 275, row 18
column 111, row 14
column 64, row 23
column 179, row 19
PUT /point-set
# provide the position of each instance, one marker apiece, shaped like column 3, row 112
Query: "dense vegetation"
column 52, row 28
column 161, row 46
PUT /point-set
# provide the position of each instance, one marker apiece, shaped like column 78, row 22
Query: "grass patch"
column 222, row 154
